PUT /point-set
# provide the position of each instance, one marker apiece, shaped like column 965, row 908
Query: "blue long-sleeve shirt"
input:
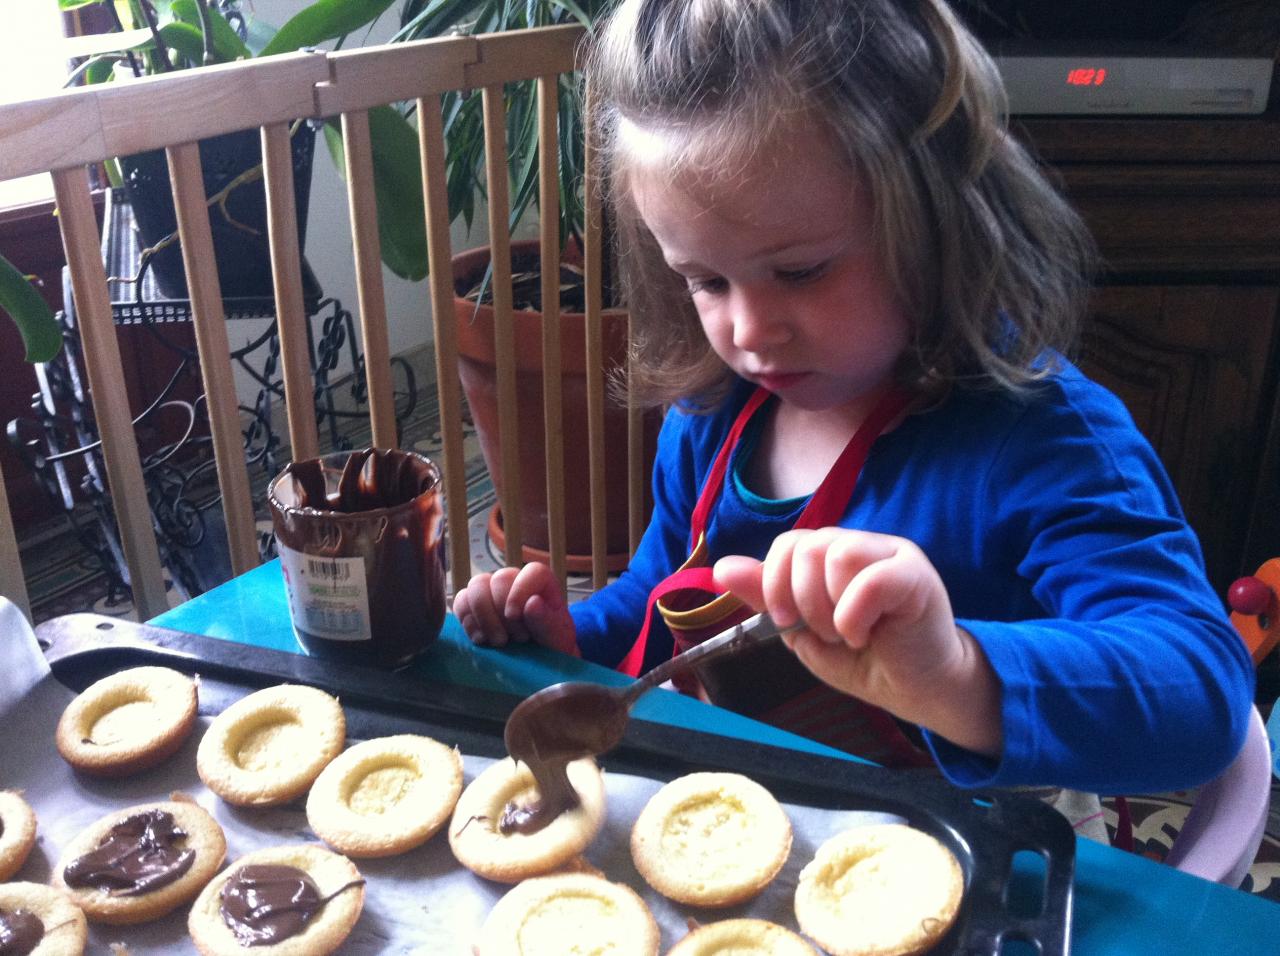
column 1064, row 552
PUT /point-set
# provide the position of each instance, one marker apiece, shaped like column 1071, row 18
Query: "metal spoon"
column 577, row 719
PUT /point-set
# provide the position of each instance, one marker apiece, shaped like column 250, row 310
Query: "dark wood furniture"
column 1185, row 320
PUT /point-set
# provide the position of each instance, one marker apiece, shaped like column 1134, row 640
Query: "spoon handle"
column 760, row 627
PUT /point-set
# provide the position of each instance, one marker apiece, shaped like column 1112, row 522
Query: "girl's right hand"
column 517, row 604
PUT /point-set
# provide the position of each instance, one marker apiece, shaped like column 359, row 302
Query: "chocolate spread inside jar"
column 20, row 932
column 264, row 903
column 361, row 544
column 585, row 720
column 139, row 854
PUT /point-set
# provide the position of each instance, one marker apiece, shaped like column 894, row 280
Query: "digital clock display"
column 1086, row 76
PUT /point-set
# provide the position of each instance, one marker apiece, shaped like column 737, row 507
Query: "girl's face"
column 782, row 269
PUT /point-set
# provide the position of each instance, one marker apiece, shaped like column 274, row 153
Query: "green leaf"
column 227, row 45
column 397, row 180
column 324, row 20
column 185, row 40
column 76, row 4
column 30, row 312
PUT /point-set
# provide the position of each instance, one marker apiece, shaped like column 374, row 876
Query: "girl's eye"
column 801, row 276
column 714, row 285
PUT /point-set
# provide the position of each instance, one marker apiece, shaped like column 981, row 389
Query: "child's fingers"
column 892, row 585
column 776, row 579
column 813, row 599
column 741, row 576
column 533, row 579
column 476, row 613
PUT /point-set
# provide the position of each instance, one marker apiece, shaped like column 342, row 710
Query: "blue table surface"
column 1124, row 904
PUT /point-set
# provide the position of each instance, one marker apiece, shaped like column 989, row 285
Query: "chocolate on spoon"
column 576, row 719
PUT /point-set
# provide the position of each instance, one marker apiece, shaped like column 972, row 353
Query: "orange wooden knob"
column 1260, row 628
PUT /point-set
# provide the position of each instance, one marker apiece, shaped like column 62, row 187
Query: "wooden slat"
column 291, row 313
column 210, row 325
column 369, row 288
column 360, row 79
column 58, row 132
column 87, row 125
column 106, row 383
column 495, row 162
column 593, row 265
column 439, row 252
column 13, row 584
column 524, row 55
column 552, row 399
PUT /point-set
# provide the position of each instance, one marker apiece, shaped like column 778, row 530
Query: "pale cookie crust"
column 385, row 796
column 203, row 835
column 19, row 834
column 742, row 937
column 569, row 913
column 128, row 722
column 268, row 748
column 882, row 890
column 711, row 839
column 322, row 935
column 65, row 929
column 510, row 857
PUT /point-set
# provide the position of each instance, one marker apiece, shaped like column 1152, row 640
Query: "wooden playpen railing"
column 67, row 133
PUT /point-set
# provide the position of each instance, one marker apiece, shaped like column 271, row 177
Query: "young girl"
column 857, row 290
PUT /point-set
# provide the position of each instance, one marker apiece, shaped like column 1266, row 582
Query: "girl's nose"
column 759, row 321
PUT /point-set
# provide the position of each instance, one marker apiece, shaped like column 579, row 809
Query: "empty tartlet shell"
column 325, row 932
column 128, row 722
column 268, row 748
column 19, row 833
column 879, row 890
column 547, row 915
column 385, row 796
column 711, row 839
column 203, row 834
column 741, row 936
column 66, row 931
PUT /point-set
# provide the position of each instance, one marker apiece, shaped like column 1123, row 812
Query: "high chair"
column 66, row 133
column 1224, row 828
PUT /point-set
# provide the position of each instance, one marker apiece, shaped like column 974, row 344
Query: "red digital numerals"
column 1086, row 76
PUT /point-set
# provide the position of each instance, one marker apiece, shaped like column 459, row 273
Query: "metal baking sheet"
column 984, row 830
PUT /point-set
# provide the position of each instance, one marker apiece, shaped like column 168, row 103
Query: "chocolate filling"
column 387, row 509
column 264, row 903
column 586, row 720
column 20, row 932
column 139, row 854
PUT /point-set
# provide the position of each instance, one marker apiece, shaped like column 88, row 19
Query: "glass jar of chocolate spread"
column 360, row 537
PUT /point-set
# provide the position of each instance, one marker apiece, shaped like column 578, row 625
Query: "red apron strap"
column 699, row 578
column 833, row 495
column 715, row 477
column 824, row 508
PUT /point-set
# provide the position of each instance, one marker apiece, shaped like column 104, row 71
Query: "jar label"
column 328, row 597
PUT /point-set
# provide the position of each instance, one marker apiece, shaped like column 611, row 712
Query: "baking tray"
column 985, row 830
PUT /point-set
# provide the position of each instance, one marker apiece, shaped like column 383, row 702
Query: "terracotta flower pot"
column 477, row 369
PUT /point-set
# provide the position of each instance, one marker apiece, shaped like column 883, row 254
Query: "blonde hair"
column 989, row 261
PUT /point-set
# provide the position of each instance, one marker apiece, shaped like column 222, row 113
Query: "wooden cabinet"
column 1185, row 319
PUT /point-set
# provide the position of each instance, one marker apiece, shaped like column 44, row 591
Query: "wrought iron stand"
column 60, row 441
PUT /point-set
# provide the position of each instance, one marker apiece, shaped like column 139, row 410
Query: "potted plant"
column 165, row 35
column 464, row 137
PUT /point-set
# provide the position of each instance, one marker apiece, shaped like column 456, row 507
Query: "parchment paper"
column 419, row 902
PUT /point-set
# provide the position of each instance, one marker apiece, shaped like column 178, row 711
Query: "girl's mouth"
column 780, row 382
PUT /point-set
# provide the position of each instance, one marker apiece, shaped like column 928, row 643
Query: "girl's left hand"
column 878, row 626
